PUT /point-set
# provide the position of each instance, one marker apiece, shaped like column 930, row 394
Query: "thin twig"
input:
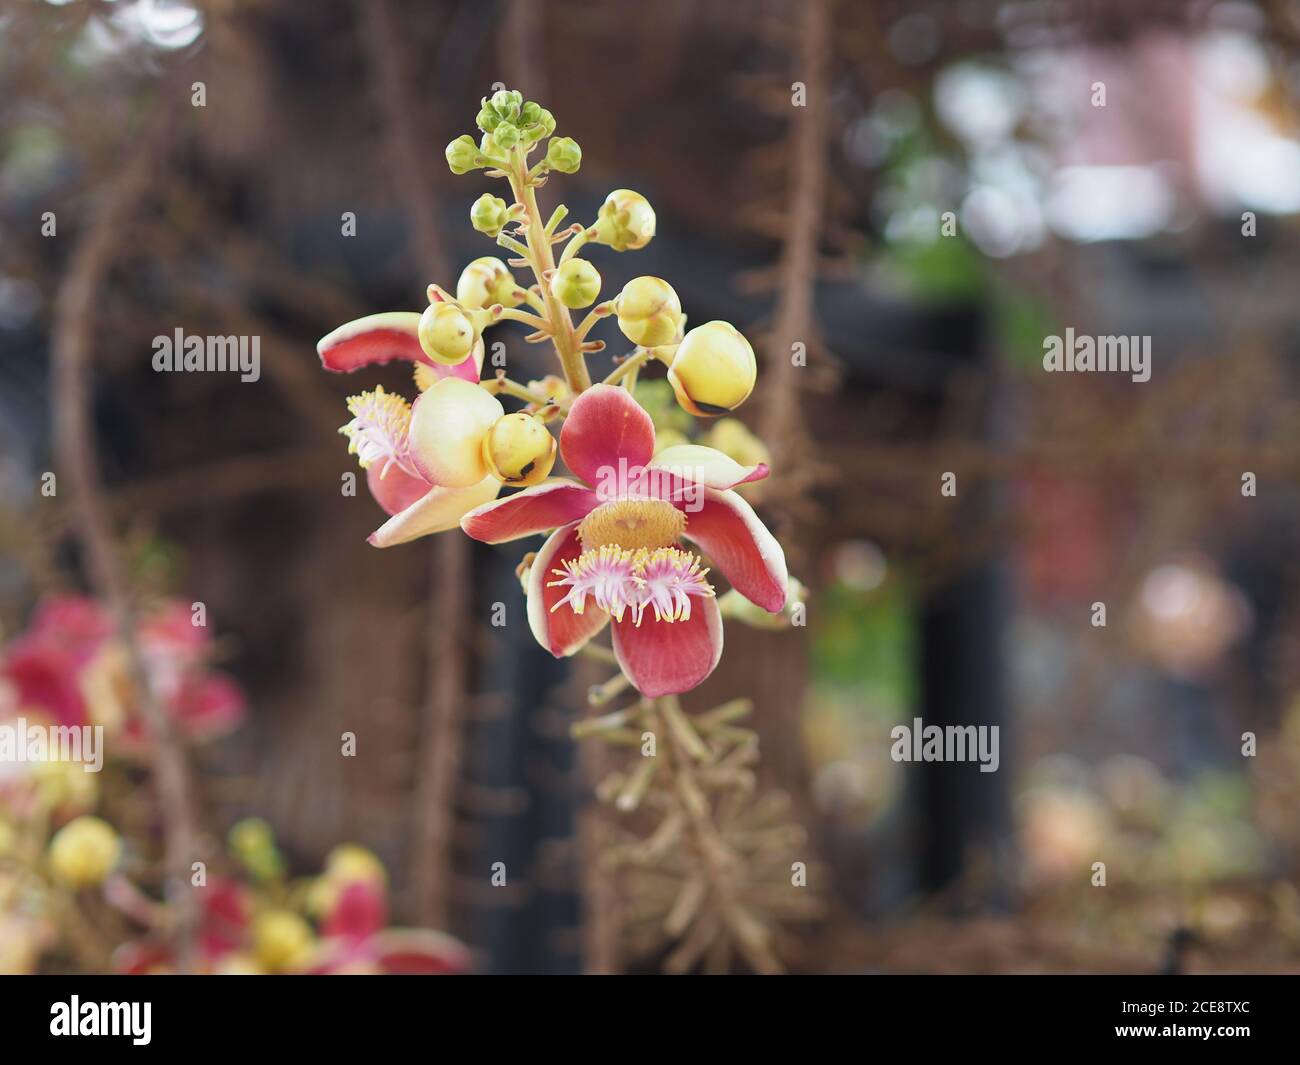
column 74, row 330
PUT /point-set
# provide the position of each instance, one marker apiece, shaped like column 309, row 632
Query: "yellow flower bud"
column 84, row 851
column 350, row 862
column 446, row 333
column 649, row 312
column 281, row 939
column 713, row 370
column 489, row 214
column 518, row 450
column 576, row 284
column 487, row 281
column 734, row 439
column 626, row 221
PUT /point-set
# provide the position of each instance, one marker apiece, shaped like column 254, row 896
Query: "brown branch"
column 75, row 316
column 441, row 740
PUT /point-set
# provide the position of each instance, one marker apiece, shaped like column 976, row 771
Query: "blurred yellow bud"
column 350, row 862
column 649, row 312
column 84, row 851
column 713, row 370
column 487, row 281
column 8, row 837
column 518, row 450
column 669, row 438
column 448, row 423
column 576, row 284
column 281, row 940
column 626, row 221
column 446, row 333
column 551, row 386
column 734, row 439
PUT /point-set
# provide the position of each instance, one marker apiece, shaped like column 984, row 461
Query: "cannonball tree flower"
column 617, row 550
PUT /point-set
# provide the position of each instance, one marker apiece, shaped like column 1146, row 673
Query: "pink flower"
column 418, row 499
column 616, row 547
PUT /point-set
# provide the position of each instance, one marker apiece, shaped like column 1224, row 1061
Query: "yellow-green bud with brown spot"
column 485, row 282
column 713, row 370
column 649, row 312
column 576, row 284
column 446, row 333
column 518, row 450
column 84, row 851
column 626, row 221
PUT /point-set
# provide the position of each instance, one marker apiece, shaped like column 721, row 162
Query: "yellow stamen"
column 632, row 523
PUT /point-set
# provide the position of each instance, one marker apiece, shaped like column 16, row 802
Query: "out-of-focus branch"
column 441, row 736
column 74, row 331
column 782, row 424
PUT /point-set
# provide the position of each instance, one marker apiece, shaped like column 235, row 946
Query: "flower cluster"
column 633, row 534
column 255, row 920
column 69, row 668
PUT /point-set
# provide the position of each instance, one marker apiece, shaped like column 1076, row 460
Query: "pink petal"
column 359, row 912
column 45, row 678
column 560, row 631
column 607, row 435
column 396, row 490
column 739, row 545
column 208, row 705
column 380, row 338
column 533, row 510
column 675, row 471
column 667, row 658
column 437, row 510
column 418, row 952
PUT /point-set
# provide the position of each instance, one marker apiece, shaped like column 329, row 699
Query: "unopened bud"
column 84, row 851
column 463, row 155
column 507, row 103
column 626, row 221
column 518, row 450
column 281, row 939
column 487, row 281
column 505, row 136
column 489, row 214
column 446, row 333
column 713, row 370
column 564, row 155
column 649, row 312
column 576, row 284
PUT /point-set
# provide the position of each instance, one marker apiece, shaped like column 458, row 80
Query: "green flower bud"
column 564, row 155
column 487, row 281
column 506, row 136
column 446, row 333
column 649, row 312
column 488, row 215
column 463, row 155
column 576, row 283
column 518, row 450
column 626, row 221
column 507, row 103
column 713, row 370
column 487, row 119
column 530, row 114
column 546, row 122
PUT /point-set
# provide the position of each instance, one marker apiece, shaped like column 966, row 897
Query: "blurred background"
column 954, row 188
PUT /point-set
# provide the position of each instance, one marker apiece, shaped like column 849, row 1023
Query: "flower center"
column 632, row 523
column 380, row 430
column 618, row 579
